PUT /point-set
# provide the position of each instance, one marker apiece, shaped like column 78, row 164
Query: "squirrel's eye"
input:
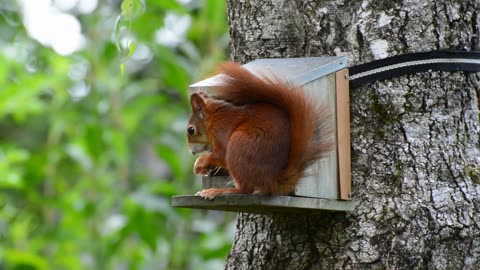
column 191, row 130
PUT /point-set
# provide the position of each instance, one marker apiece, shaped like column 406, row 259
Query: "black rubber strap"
column 413, row 63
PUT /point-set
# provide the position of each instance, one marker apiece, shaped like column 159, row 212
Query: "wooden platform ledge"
column 261, row 204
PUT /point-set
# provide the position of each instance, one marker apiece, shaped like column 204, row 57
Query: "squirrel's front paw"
column 201, row 170
column 210, row 193
column 201, row 166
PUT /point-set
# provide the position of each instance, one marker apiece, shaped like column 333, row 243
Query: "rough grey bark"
column 415, row 139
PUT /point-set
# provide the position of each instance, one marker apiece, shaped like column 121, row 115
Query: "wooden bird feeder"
column 327, row 186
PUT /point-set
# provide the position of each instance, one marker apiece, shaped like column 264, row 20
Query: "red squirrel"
column 265, row 132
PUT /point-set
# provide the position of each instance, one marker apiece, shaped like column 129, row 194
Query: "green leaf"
column 170, row 5
column 94, row 141
column 164, row 188
column 131, row 9
column 143, row 223
column 131, row 48
column 24, row 260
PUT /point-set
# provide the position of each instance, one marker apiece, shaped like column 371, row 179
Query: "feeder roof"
column 299, row 71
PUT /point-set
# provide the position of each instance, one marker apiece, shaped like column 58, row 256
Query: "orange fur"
column 265, row 132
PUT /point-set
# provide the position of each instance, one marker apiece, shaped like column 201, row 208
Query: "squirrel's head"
column 197, row 136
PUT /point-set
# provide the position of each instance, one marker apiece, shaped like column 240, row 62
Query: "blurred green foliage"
column 90, row 155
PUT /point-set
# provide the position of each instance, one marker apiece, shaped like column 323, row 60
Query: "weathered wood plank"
column 249, row 203
column 343, row 135
column 216, row 182
column 321, row 179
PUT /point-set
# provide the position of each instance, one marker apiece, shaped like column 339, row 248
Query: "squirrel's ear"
column 198, row 104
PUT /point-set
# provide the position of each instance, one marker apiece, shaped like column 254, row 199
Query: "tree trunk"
column 415, row 139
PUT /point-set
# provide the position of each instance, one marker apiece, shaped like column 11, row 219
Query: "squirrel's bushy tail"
column 311, row 124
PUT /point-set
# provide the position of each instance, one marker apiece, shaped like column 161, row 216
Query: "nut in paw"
column 201, row 166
